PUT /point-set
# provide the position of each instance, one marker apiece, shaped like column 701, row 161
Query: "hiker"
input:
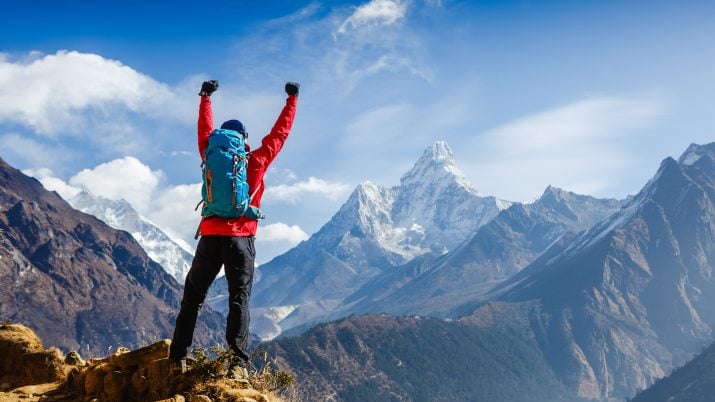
column 228, row 241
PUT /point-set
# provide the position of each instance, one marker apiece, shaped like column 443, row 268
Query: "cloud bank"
column 46, row 92
column 171, row 207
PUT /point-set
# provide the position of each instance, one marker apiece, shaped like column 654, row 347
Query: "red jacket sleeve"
column 205, row 125
column 273, row 142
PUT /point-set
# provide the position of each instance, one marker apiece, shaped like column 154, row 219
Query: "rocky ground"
column 29, row 372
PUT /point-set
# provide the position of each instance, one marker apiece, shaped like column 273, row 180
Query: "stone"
column 74, row 359
column 160, row 378
column 93, row 381
column 140, row 381
column 114, row 384
column 142, row 356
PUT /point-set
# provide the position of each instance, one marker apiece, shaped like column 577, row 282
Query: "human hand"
column 292, row 88
column 209, row 87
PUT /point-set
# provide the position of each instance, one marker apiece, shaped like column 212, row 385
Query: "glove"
column 292, row 88
column 209, row 87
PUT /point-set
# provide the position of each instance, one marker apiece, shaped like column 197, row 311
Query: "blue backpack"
column 225, row 192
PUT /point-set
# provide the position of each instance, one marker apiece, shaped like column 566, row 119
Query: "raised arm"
column 273, row 142
column 206, row 120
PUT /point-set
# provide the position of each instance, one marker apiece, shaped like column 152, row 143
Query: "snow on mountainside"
column 497, row 250
column 433, row 210
column 174, row 256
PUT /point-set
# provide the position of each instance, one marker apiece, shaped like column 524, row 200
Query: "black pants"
column 236, row 254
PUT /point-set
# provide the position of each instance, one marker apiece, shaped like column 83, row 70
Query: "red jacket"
column 258, row 162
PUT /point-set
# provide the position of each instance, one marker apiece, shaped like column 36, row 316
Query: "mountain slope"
column 77, row 282
column 632, row 297
column 499, row 249
column 432, row 210
column 609, row 310
column 174, row 258
column 420, row 359
column 693, row 382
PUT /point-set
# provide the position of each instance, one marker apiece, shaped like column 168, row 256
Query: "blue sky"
column 588, row 96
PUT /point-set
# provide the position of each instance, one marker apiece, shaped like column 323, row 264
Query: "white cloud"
column 281, row 232
column 125, row 178
column 376, row 12
column 169, row 207
column 280, row 175
column 578, row 146
column 172, row 209
column 314, row 186
column 46, row 92
column 52, row 183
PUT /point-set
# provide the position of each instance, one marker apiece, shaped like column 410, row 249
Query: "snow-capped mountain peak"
column 437, row 164
column 174, row 256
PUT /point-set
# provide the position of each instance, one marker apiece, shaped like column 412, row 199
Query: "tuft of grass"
column 210, row 369
column 211, row 365
column 264, row 377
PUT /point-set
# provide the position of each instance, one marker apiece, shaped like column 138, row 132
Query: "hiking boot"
column 181, row 366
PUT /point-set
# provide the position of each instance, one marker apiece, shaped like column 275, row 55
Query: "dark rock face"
column 77, row 282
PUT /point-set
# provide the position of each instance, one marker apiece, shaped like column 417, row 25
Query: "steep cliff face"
column 77, row 282
column 632, row 297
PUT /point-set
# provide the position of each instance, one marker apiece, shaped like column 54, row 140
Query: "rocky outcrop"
column 29, row 372
column 25, row 361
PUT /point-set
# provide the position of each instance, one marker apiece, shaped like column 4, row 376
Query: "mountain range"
column 399, row 250
column 610, row 309
column 77, row 282
column 566, row 298
column 432, row 210
column 174, row 256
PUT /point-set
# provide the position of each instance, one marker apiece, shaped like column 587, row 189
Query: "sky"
column 588, row 96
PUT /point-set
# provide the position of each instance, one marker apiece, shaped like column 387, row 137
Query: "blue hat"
column 234, row 125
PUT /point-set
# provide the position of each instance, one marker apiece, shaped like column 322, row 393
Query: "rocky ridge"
column 608, row 311
column 497, row 250
column 31, row 373
column 631, row 298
